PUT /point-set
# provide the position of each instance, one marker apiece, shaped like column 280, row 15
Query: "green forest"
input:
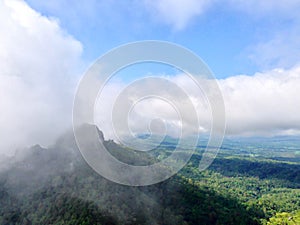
column 56, row 186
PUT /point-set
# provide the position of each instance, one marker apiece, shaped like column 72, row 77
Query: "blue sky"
column 253, row 48
column 225, row 34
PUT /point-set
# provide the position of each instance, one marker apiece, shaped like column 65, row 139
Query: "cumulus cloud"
column 38, row 67
column 38, row 72
column 263, row 104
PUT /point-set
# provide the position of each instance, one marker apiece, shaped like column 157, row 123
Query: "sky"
column 252, row 47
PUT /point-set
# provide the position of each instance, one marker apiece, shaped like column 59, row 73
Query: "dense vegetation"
column 56, row 186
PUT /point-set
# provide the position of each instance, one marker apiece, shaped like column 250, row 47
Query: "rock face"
column 89, row 135
column 88, row 128
column 68, row 140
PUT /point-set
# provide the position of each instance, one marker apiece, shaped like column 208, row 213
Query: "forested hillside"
column 55, row 186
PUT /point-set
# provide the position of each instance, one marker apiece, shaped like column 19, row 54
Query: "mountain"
column 55, row 185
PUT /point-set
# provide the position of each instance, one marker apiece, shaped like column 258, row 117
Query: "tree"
column 285, row 218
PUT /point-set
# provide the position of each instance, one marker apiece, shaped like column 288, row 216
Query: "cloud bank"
column 37, row 76
column 265, row 104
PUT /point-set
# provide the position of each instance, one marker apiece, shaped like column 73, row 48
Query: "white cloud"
column 38, row 64
column 177, row 13
column 38, row 61
column 263, row 104
column 151, row 111
column 266, row 103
